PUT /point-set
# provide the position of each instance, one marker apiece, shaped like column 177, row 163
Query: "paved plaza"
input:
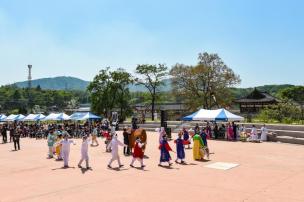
column 265, row 172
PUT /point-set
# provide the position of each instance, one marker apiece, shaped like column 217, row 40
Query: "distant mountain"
column 72, row 83
column 140, row 88
column 57, row 83
column 271, row 89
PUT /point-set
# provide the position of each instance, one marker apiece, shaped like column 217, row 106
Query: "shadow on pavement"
column 63, row 168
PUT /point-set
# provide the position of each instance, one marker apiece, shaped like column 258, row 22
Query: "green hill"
column 72, row 83
column 271, row 89
column 57, row 83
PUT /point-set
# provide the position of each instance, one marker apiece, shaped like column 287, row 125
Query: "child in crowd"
column 164, row 151
column 138, row 153
column 94, row 137
column 180, row 148
column 58, row 148
column 66, row 149
column 85, row 151
column 113, row 145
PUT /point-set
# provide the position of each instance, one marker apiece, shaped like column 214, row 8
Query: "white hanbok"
column 161, row 133
column 254, row 134
column 264, row 132
column 113, row 145
column 85, row 152
column 66, row 150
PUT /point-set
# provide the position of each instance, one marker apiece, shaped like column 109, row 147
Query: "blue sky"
column 261, row 40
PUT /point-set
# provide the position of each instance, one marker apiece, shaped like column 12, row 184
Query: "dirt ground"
column 266, row 172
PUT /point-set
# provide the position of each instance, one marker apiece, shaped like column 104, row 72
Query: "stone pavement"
column 267, row 172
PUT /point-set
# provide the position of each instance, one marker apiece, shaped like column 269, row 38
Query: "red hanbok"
column 138, row 152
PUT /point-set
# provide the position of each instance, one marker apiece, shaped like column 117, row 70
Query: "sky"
column 261, row 40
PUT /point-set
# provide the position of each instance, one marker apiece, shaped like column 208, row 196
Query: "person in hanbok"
column 161, row 134
column 66, row 149
column 186, row 137
column 138, row 153
column 51, row 142
column 198, row 153
column 253, row 134
column 243, row 134
column 94, row 137
column 264, row 132
column 208, row 131
column 180, row 148
column 165, row 152
column 230, row 132
column 85, row 151
column 204, row 137
column 58, row 147
column 113, row 145
column 196, row 128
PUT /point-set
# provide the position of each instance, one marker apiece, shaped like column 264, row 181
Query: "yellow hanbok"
column 198, row 152
column 58, row 147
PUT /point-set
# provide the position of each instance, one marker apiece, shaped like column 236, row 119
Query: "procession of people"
column 59, row 139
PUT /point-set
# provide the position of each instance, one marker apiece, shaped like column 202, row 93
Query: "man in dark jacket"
column 16, row 138
column 126, row 136
column 4, row 135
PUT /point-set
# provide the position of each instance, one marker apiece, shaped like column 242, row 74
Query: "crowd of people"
column 59, row 140
column 233, row 132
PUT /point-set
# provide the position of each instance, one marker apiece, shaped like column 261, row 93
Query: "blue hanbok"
column 180, row 148
column 164, row 151
column 204, row 138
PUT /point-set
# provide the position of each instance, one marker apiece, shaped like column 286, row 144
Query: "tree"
column 109, row 90
column 121, row 80
column 295, row 93
column 205, row 84
column 151, row 76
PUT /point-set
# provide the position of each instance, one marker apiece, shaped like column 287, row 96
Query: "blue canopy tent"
column 190, row 117
column 14, row 117
column 39, row 117
column 213, row 115
column 75, row 116
column 89, row 116
column 2, row 117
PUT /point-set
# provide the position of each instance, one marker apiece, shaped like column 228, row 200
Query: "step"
column 291, row 140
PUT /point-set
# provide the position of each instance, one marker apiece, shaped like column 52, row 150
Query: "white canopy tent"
column 57, row 117
column 15, row 117
column 2, row 117
column 213, row 115
column 34, row 117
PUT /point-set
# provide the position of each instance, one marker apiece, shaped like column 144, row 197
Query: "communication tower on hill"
column 29, row 78
column 29, row 85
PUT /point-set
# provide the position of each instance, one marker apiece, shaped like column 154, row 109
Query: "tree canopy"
column 205, row 84
column 151, row 76
column 109, row 91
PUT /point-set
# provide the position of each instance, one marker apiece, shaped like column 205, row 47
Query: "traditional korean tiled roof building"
column 255, row 101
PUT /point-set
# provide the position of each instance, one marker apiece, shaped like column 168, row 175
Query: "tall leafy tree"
column 205, row 84
column 110, row 90
column 151, row 76
column 294, row 93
